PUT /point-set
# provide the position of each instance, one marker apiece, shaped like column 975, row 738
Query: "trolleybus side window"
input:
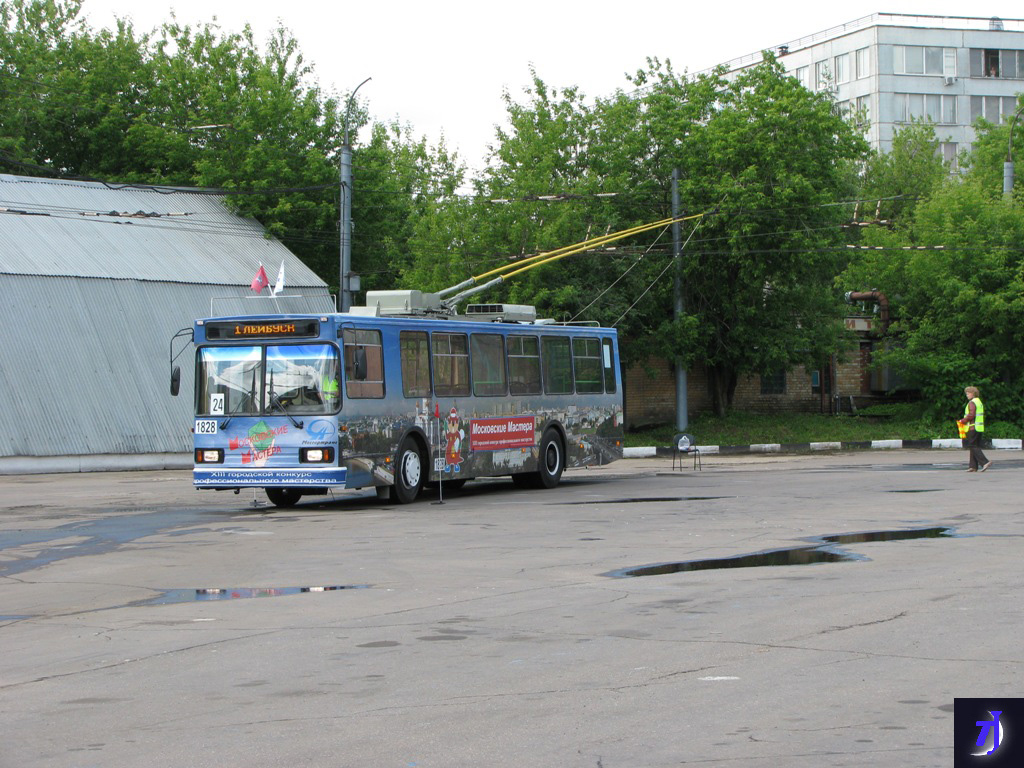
column 488, row 364
column 451, row 364
column 364, row 363
column 586, row 359
column 524, row 365
column 557, row 365
column 608, row 361
column 415, row 355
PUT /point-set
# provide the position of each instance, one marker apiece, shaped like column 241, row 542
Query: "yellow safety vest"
column 979, row 414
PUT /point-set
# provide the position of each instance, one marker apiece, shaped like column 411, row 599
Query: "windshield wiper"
column 276, row 401
column 238, row 408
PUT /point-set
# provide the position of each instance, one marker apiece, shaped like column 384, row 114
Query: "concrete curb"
column 27, row 465
column 999, row 444
column 48, row 465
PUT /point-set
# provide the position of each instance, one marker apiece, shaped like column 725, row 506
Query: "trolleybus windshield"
column 261, row 380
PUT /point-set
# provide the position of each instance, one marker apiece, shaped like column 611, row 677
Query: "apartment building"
column 892, row 68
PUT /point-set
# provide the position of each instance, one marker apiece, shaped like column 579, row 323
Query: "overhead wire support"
column 523, row 265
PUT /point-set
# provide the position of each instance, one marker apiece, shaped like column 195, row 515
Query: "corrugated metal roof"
column 91, row 303
column 84, row 364
column 88, row 229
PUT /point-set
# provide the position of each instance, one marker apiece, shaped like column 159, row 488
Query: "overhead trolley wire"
column 661, row 274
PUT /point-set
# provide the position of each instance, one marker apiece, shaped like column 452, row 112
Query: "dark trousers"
column 973, row 445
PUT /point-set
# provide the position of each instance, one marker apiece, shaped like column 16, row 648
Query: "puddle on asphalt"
column 646, row 500
column 236, row 593
column 824, row 549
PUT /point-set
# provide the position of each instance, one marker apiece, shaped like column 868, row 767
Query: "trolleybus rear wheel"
column 550, row 463
column 551, row 460
column 283, row 497
column 409, row 474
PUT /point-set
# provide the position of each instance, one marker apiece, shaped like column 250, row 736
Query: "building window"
column 863, row 111
column 993, row 108
column 862, row 61
column 774, row 383
column 842, row 68
column 935, row 108
column 948, row 151
column 803, row 76
column 924, row 60
column 817, row 379
column 822, row 77
column 990, row 62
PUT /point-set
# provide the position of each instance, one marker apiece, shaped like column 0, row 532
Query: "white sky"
column 442, row 66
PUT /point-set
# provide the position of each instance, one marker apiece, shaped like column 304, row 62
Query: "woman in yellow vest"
column 974, row 420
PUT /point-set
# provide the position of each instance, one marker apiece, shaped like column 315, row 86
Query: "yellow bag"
column 961, row 429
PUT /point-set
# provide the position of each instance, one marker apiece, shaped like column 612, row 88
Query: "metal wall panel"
column 84, row 363
column 92, row 301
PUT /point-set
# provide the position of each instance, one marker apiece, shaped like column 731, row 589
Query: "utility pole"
column 345, row 267
column 682, row 418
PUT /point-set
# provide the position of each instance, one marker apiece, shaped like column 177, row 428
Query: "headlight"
column 316, row 455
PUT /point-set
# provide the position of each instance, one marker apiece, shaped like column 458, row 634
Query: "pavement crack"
column 900, row 615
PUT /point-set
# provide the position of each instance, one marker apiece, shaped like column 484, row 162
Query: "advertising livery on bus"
column 382, row 396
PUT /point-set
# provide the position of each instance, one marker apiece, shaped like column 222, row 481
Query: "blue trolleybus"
column 299, row 404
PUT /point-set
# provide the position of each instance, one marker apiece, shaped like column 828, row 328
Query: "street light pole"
column 1008, row 165
column 345, row 267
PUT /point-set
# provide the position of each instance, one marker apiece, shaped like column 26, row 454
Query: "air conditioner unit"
column 950, row 79
column 508, row 313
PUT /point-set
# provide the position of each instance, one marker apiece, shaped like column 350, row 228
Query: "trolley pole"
column 682, row 419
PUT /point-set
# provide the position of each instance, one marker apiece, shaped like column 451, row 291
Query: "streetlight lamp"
column 345, row 267
column 1008, row 165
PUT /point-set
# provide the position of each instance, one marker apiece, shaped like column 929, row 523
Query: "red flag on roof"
column 261, row 281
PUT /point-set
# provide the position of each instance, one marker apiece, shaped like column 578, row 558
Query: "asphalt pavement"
column 146, row 623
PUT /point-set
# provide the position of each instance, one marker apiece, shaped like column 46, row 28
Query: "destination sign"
column 264, row 329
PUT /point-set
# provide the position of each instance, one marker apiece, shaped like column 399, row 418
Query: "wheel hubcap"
column 411, row 469
column 551, row 459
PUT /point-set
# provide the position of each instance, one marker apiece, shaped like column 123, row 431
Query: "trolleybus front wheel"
column 283, row 497
column 409, row 473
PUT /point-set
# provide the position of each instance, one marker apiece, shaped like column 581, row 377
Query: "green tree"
column 958, row 297
column 764, row 158
column 911, row 171
column 402, row 186
column 989, row 150
column 116, row 106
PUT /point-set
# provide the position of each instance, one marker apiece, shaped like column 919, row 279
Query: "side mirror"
column 175, row 381
column 360, row 364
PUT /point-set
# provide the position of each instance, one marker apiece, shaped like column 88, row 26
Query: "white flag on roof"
column 279, row 285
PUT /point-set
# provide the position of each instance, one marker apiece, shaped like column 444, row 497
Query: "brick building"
column 846, row 382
